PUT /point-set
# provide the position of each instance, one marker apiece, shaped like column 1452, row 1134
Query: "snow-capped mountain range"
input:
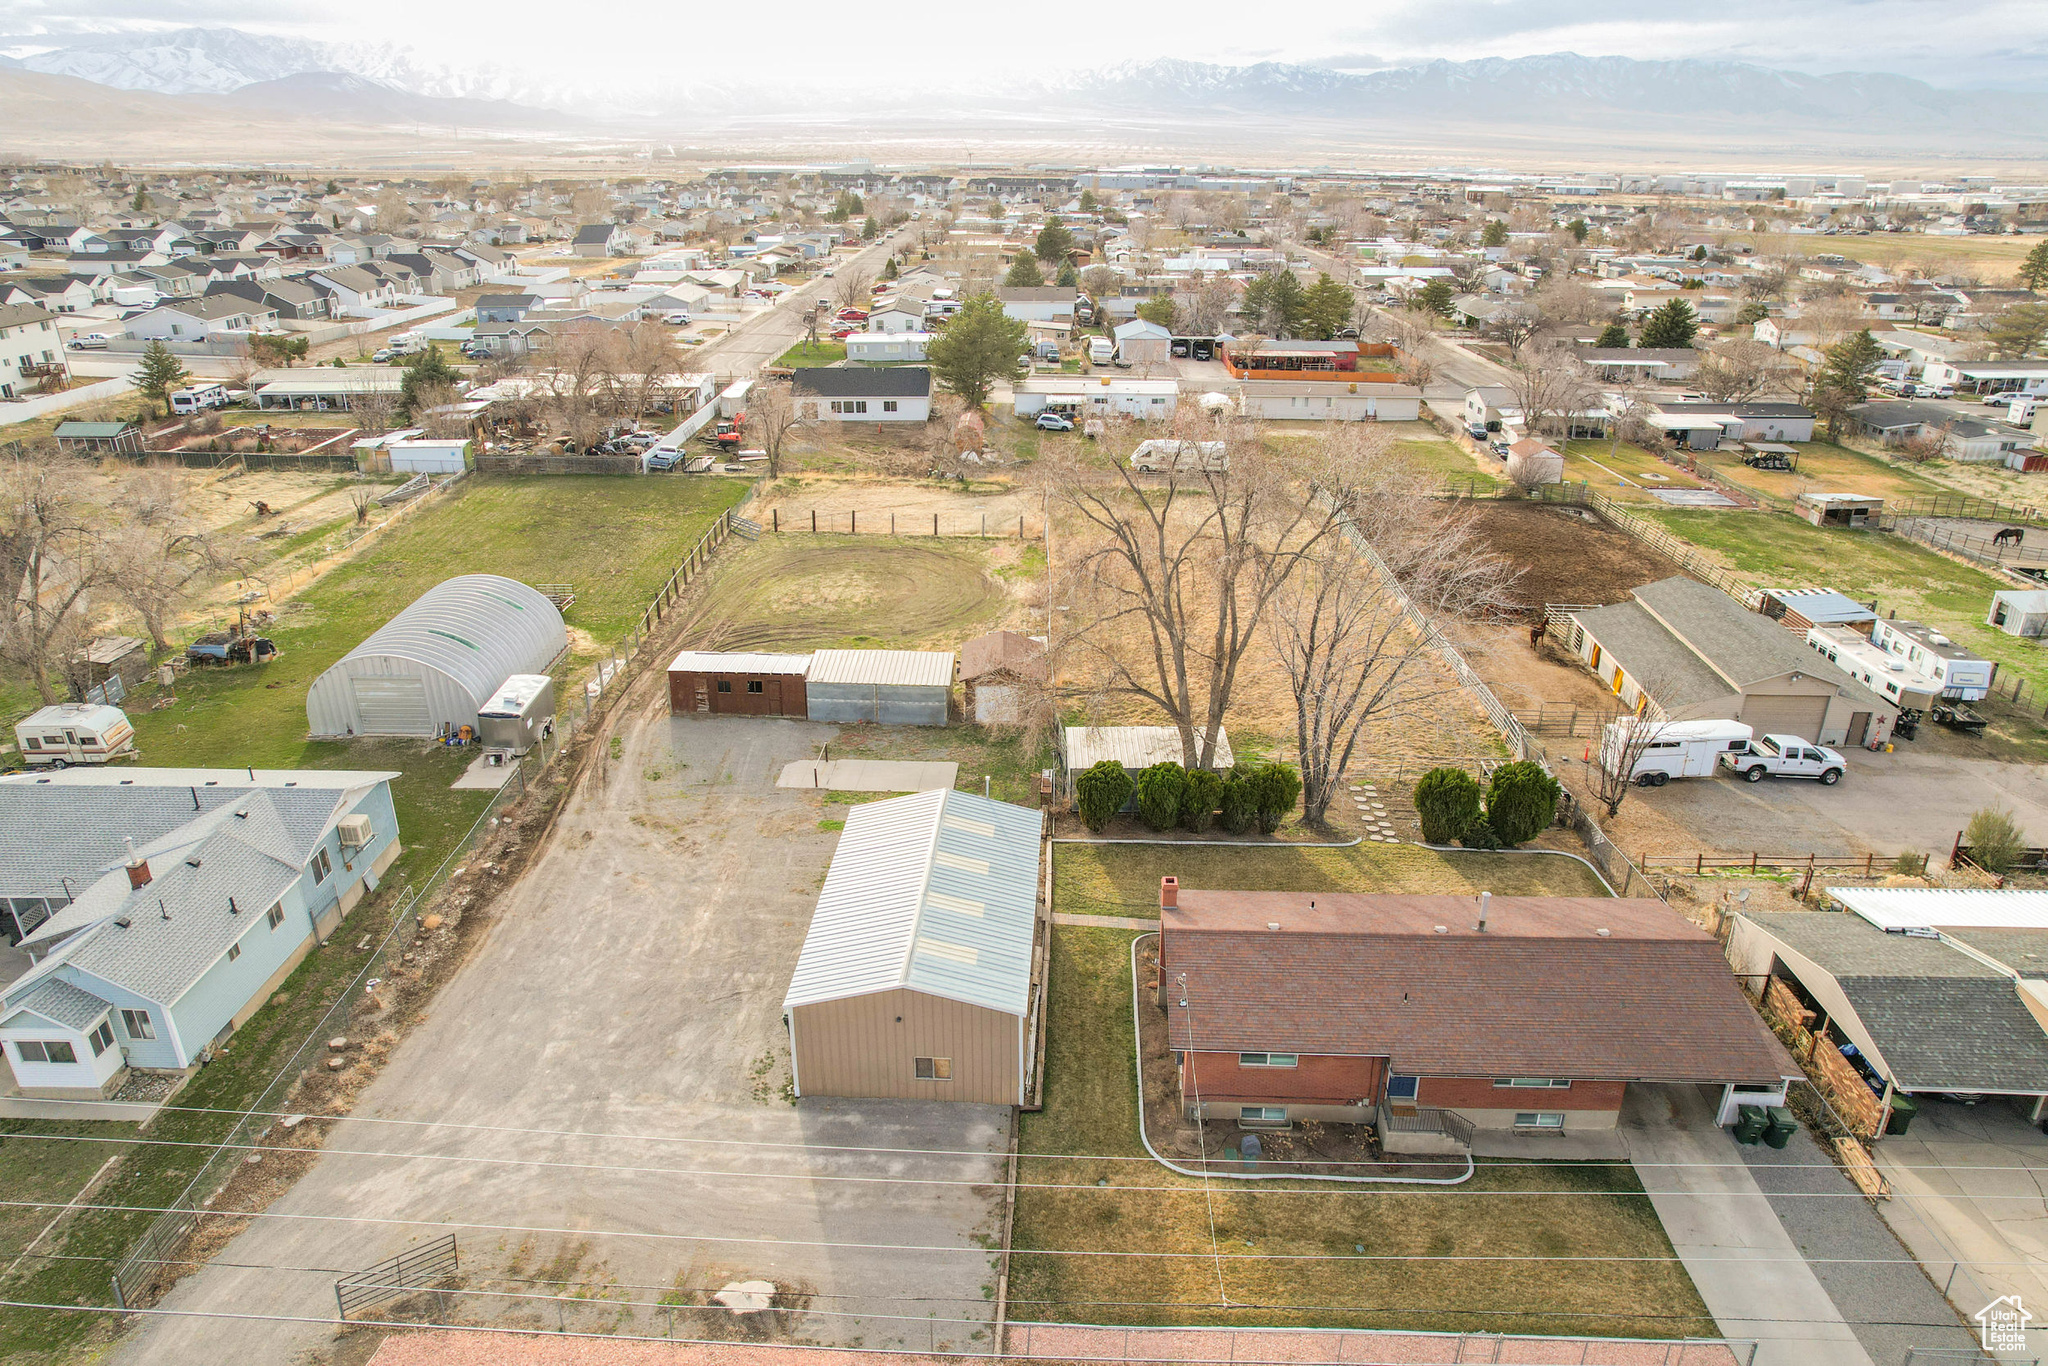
column 1522, row 95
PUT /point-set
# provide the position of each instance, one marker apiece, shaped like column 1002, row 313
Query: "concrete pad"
column 1970, row 1201
column 483, row 776
column 869, row 775
column 21, row 1107
column 1752, row 1276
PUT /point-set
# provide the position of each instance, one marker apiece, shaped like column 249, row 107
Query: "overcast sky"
column 1947, row 42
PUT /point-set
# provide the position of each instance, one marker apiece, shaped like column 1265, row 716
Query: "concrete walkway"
column 118, row 1111
column 1753, row 1278
column 869, row 775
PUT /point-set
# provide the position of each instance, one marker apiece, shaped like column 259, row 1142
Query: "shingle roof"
column 904, row 381
column 1941, row 1020
column 1539, row 993
column 59, row 1001
column 1741, row 645
column 1002, row 652
column 937, row 892
column 1653, row 656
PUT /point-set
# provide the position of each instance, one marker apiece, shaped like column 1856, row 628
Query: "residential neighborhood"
column 702, row 751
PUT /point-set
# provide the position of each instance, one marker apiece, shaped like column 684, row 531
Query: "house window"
column 1402, row 1088
column 46, row 1050
column 1539, row 1119
column 137, row 1024
column 234, row 952
column 1262, row 1114
column 275, row 915
column 725, row 685
column 888, row 405
column 1267, row 1059
column 102, row 1037
column 1533, row 1083
column 321, row 865
column 754, row 685
column 935, row 1069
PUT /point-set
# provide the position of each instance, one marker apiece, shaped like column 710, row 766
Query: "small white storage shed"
column 2019, row 612
column 435, row 665
column 429, row 455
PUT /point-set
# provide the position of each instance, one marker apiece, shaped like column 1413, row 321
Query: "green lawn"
column 615, row 539
column 1441, row 459
column 1541, row 1213
column 809, row 354
column 1824, row 467
column 1906, row 578
column 1123, row 879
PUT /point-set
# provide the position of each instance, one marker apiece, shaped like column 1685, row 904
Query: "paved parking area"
column 1970, row 1185
column 614, row 1049
column 1909, row 799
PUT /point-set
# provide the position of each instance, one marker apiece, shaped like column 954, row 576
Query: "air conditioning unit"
column 355, row 831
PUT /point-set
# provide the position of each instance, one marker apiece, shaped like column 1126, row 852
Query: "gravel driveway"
column 625, row 1011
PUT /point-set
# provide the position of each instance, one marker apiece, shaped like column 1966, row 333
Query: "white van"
column 1182, row 457
column 1676, row 749
column 73, row 733
column 199, row 398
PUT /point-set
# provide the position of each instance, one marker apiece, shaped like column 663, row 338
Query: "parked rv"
column 1101, row 351
column 520, row 711
column 1677, row 749
column 73, row 733
column 199, row 398
column 1182, row 457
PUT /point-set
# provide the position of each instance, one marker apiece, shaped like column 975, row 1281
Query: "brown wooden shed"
column 721, row 683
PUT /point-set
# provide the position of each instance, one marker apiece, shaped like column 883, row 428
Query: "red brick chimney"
column 1169, row 893
column 138, row 868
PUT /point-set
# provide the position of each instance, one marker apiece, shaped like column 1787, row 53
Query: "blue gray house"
column 163, row 906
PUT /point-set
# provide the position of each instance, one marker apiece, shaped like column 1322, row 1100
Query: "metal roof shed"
column 894, row 687
column 916, row 975
column 430, row 668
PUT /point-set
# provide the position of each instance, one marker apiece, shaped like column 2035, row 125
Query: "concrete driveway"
column 1886, row 802
column 1970, row 1197
column 616, row 1044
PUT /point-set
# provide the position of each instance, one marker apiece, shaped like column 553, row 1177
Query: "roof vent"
column 241, row 815
column 1272, row 924
column 192, row 862
column 1442, row 929
column 1604, row 932
column 123, row 921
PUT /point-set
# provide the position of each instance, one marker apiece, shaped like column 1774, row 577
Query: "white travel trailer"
column 1676, row 749
column 73, row 733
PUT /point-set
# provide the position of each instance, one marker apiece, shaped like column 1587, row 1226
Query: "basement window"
column 1539, row 1119
column 935, row 1069
column 1262, row 1114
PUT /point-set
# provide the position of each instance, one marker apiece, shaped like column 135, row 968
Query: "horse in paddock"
column 2013, row 534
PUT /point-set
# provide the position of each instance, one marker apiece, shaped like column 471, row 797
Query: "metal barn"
column 428, row 670
column 917, row 975
column 894, row 687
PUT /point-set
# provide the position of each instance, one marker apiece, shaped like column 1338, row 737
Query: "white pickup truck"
column 1784, row 756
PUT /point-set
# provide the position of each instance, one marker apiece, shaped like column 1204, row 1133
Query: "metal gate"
column 392, row 706
column 420, row 1268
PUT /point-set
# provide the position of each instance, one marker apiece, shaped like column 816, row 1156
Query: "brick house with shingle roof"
column 1512, row 1013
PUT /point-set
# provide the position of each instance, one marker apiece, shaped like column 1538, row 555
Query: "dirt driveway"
column 614, row 1051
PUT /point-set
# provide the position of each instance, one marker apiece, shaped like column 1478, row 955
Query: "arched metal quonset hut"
column 430, row 667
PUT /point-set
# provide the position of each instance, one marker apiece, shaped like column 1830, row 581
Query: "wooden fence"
column 1699, row 864
column 1680, row 552
column 853, row 522
column 1983, row 549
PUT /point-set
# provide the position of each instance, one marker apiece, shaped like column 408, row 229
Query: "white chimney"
column 1485, row 900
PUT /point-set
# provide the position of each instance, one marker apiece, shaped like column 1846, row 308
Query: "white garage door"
column 1785, row 715
column 393, row 706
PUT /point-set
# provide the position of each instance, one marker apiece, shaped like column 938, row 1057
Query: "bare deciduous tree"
column 1738, row 370
column 1353, row 656
column 1551, row 387
column 54, row 546
column 773, row 418
column 1621, row 746
column 852, row 290
column 1175, row 572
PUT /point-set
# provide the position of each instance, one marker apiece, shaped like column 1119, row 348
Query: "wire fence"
column 1962, row 506
column 154, row 1260
column 2010, row 553
column 870, row 522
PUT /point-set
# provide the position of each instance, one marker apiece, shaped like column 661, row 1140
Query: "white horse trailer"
column 1675, row 749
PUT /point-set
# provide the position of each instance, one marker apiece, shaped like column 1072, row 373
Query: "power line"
column 666, row 1237
column 1506, row 1165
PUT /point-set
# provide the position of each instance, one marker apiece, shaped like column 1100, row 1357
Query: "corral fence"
column 155, row 1259
column 1866, row 865
column 854, row 522
column 1961, row 507
column 1983, row 549
column 1567, row 721
column 1679, row 552
column 280, row 461
column 2031, row 859
column 419, row 1268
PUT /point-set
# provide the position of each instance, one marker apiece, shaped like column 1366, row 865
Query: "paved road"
column 632, row 985
column 1755, row 1281
column 767, row 334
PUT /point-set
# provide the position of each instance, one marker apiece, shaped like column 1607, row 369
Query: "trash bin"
column 1903, row 1110
column 1750, row 1123
column 1783, row 1124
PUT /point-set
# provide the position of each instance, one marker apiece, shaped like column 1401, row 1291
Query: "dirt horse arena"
column 1567, row 554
